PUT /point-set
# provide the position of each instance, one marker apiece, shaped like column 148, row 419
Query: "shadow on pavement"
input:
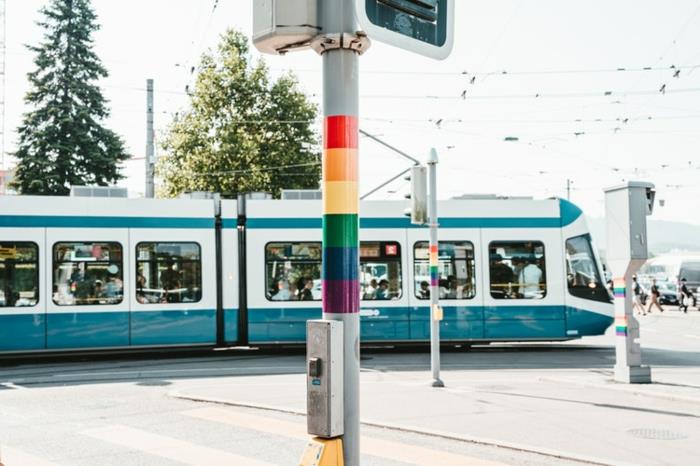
column 156, row 370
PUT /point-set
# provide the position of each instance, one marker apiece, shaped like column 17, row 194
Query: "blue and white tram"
column 82, row 274
column 487, row 249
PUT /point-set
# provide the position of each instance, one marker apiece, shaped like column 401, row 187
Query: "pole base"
column 323, row 452
column 438, row 383
column 633, row 374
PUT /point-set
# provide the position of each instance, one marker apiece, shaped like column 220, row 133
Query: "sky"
column 580, row 85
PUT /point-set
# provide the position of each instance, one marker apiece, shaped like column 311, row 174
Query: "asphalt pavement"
column 503, row 404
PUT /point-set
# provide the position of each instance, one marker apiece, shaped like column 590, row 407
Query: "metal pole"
column 435, row 310
column 568, row 189
column 389, row 181
column 3, row 58
column 150, row 143
column 341, row 287
column 390, row 147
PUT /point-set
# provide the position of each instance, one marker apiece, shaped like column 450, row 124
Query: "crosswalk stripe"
column 170, row 448
column 13, row 457
column 396, row 451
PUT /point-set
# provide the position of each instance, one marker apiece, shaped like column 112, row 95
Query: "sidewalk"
column 577, row 414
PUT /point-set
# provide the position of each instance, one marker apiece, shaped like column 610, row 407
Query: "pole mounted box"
column 425, row 27
column 324, row 378
column 280, row 26
column 626, row 210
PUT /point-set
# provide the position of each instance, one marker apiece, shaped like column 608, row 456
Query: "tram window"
column 380, row 270
column 168, row 273
column 87, row 274
column 19, row 274
column 457, row 277
column 517, row 270
column 293, row 271
column 582, row 274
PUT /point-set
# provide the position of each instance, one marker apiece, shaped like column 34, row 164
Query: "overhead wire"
column 508, row 73
column 532, row 95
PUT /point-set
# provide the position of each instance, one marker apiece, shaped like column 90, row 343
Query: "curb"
column 415, row 430
column 620, row 387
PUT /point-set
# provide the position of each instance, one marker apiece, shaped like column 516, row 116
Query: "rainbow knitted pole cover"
column 341, row 266
column 434, row 276
column 620, row 319
column 619, row 288
column 621, row 326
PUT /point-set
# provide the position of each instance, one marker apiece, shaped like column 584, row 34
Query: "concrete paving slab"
column 575, row 414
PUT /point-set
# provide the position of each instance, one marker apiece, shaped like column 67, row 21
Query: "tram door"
column 461, row 295
column 523, row 283
column 23, row 294
column 232, row 285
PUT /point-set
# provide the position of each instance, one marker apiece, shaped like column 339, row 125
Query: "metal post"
column 341, row 287
column 3, row 59
column 150, row 142
column 435, row 310
column 568, row 189
column 626, row 209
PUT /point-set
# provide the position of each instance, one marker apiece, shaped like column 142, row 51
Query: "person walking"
column 654, row 298
column 637, row 300
column 684, row 296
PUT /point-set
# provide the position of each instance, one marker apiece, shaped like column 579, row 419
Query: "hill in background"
column 664, row 236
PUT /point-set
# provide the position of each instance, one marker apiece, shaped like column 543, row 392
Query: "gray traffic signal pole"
column 150, row 142
column 435, row 310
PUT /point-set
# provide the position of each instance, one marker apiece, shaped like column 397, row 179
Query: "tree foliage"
column 243, row 131
column 62, row 141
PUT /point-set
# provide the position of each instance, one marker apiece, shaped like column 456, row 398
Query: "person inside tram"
column 454, row 290
column 501, row 277
column 529, row 280
column 295, row 289
column 113, row 288
column 82, row 288
column 140, row 281
column 306, row 294
column 283, row 293
column 170, row 280
column 371, row 290
column 383, row 290
column 443, row 289
column 424, row 291
column 99, row 293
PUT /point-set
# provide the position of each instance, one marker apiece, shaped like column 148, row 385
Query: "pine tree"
column 244, row 132
column 61, row 140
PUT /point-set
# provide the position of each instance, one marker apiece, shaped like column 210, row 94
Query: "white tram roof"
column 496, row 208
column 104, row 207
column 505, row 213
column 199, row 213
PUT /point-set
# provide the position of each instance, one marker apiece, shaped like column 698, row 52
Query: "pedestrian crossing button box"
column 626, row 209
column 324, row 378
column 314, row 367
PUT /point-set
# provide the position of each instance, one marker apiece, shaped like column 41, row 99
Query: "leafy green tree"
column 242, row 132
column 62, row 141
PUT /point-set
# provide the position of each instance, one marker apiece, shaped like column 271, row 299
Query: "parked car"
column 669, row 293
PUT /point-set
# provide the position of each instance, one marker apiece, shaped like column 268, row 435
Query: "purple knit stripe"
column 341, row 296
